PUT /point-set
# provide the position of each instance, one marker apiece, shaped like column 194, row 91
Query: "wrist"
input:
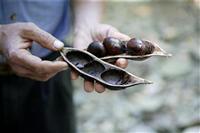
column 87, row 14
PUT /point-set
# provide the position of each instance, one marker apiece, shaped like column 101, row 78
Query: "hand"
column 15, row 41
column 87, row 34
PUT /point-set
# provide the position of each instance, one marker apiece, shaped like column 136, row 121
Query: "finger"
column 47, row 70
column 121, row 62
column 88, row 86
column 52, row 67
column 119, row 35
column 35, row 64
column 99, row 88
column 74, row 75
column 113, row 32
column 39, row 78
column 33, row 32
column 23, row 72
column 19, row 70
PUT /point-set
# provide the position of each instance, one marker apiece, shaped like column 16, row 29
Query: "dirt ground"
column 172, row 103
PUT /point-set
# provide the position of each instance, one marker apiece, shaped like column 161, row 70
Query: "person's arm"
column 88, row 28
column 87, row 14
column 15, row 39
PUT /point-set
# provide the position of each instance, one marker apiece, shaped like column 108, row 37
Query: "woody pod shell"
column 94, row 69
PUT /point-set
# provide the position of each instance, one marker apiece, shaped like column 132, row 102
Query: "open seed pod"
column 92, row 68
column 151, row 49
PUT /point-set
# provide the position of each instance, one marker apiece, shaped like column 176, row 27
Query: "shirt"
column 52, row 16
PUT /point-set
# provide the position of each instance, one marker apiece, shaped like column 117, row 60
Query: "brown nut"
column 113, row 46
column 97, row 49
column 139, row 47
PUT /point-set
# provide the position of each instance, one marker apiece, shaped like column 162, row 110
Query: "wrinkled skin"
column 17, row 38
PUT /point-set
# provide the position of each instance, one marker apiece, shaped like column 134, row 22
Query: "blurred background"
column 172, row 103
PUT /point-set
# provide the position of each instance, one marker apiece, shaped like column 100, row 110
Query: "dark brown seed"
column 139, row 47
column 149, row 48
column 97, row 49
column 135, row 47
column 113, row 46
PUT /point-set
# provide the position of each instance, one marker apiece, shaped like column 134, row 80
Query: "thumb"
column 119, row 35
column 42, row 37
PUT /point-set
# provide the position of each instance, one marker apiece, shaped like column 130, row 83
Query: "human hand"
column 85, row 35
column 17, row 38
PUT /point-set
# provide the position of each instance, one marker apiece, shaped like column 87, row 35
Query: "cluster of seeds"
column 113, row 46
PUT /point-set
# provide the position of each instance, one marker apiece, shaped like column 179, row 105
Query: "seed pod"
column 137, row 50
column 139, row 47
column 92, row 68
column 97, row 49
column 134, row 49
column 113, row 46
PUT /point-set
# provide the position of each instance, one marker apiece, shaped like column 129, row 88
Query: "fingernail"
column 58, row 44
column 122, row 63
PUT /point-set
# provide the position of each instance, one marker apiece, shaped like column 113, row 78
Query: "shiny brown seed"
column 97, row 49
column 113, row 46
column 149, row 48
column 139, row 47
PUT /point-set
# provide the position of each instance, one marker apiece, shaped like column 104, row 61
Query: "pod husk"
column 158, row 51
column 102, row 79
